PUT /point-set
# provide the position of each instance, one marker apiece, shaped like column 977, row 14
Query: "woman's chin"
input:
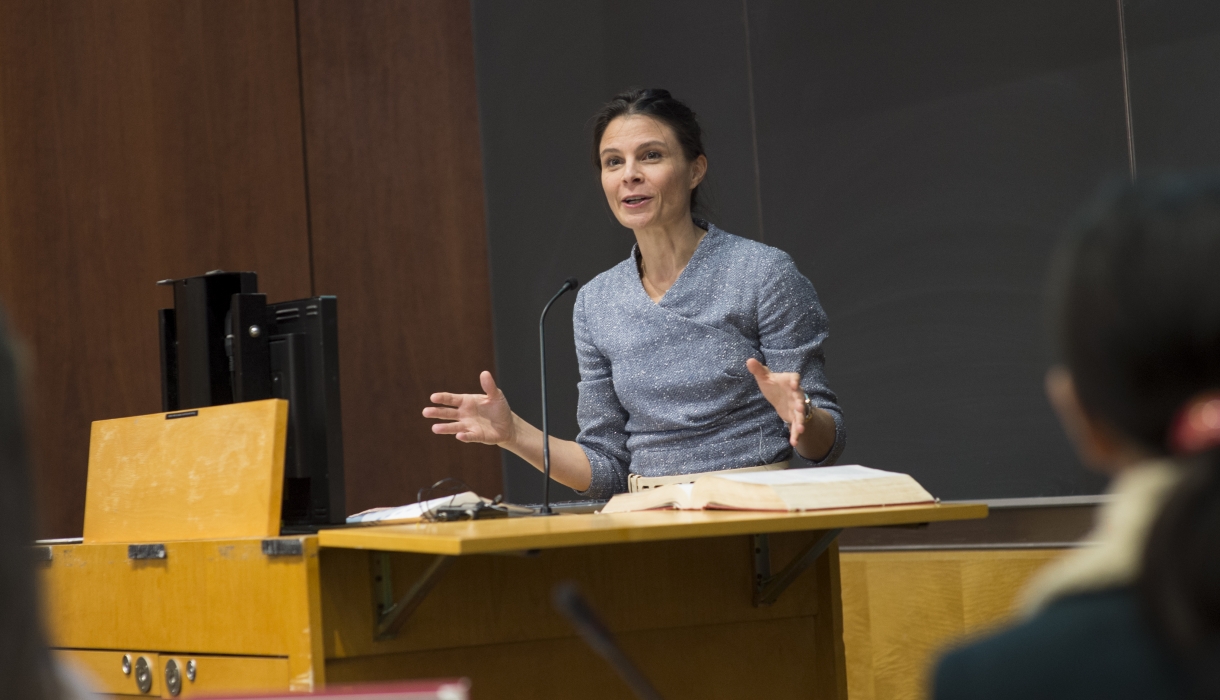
column 636, row 220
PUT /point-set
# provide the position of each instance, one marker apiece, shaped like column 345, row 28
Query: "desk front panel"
column 682, row 609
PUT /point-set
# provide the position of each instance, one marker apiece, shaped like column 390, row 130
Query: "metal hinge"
column 283, row 547
column 391, row 615
column 146, row 551
column 767, row 588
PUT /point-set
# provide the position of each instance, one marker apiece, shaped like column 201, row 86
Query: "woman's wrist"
column 510, row 439
column 818, row 437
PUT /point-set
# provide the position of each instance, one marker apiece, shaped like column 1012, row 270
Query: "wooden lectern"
column 708, row 604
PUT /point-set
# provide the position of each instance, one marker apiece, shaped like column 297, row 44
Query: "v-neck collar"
column 697, row 255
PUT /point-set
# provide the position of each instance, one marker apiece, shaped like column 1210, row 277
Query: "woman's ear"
column 698, row 169
column 1099, row 446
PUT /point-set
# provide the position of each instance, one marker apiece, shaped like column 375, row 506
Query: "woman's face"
column 645, row 174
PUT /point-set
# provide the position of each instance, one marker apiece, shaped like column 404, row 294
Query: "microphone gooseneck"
column 568, row 285
column 567, row 600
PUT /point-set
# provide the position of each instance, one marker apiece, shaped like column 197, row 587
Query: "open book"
column 815, row 488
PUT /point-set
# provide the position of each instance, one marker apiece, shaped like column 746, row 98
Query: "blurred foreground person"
column 1137, row 319
column 27, row 670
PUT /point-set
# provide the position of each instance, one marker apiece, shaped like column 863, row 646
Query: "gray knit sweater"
column 663, row 386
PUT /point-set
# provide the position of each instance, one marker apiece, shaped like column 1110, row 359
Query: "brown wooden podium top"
column 516, row 534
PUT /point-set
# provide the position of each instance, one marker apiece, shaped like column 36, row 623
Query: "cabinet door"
column 222, row 675
column 107, row 673
column 115, row 672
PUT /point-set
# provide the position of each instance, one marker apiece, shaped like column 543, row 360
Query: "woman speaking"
column 701, row 352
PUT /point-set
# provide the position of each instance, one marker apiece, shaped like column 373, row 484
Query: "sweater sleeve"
column 791, row 328
column 600, row 414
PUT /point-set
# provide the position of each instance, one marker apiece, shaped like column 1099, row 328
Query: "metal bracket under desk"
column 391, row 614
column 767, row 588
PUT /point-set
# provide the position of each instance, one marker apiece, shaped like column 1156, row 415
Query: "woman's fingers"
column 441, row 413
column 758, row 369
column 450, row 428
column 463, row 412
column 447, row 399
column 797, row 422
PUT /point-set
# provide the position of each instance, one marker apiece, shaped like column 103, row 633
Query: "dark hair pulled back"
column 1137, row 287
column 658, row 104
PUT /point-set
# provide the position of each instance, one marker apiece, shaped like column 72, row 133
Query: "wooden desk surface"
column 516, row 534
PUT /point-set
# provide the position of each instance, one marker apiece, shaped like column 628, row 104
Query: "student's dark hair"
column 1137, row 315
column 658, row 104
column 26, row 669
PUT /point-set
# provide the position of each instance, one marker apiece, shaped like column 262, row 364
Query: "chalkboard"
column 917, row 160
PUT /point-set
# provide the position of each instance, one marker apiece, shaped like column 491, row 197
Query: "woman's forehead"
column 632, row 129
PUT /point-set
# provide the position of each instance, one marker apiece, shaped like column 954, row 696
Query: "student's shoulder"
column 1089, row 645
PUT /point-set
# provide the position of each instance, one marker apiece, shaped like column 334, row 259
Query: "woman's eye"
column 611, row 162
column 652, row 155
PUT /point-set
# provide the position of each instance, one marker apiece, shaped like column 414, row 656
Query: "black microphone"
column 568, row 600
column 568, row 285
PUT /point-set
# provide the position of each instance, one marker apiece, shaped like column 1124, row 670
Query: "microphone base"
column 545, row 510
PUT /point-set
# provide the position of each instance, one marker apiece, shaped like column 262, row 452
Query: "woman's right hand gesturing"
column 484, row 418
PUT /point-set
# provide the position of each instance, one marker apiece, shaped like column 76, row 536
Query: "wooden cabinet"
column 122, row 672
column 249, row 619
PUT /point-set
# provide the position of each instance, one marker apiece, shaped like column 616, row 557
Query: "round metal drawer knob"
column 143, row 675
column 190, row 670
column 126, row 664
column 173, row 678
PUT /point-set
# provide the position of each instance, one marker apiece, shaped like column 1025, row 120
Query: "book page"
column 675, row 496
column 810, row 475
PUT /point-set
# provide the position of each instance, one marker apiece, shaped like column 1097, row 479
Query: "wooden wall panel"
column 138, row 141
column 901, row 610
column 396, row 205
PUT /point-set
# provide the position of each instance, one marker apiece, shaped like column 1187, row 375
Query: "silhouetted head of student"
column 1136, row 294
column 26, row 670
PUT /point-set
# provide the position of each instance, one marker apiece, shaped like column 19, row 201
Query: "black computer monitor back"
column 304, row 360
column 223, row 343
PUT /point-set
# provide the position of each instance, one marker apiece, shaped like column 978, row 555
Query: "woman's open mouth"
column 636, row 200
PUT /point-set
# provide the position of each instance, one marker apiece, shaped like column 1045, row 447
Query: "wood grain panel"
column 396, row 205
column 138, row 141
column 902, row 609
column 763, row 659
column 217, row 474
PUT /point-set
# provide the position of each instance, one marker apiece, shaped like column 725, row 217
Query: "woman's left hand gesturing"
column 813, row 438
column 783, row 391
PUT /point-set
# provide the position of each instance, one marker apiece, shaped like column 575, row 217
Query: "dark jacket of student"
column 1083, row 634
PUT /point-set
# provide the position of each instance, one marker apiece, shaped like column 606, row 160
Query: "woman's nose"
column 631, row 173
